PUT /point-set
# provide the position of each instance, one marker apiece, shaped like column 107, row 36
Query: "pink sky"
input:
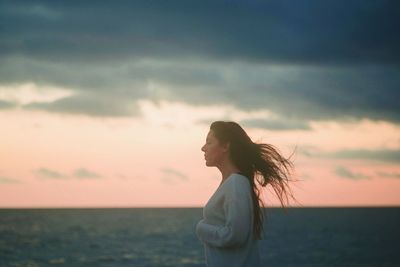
column 92, row 116
column 51, row 160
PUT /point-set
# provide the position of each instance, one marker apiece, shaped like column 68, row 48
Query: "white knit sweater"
column 227, row 227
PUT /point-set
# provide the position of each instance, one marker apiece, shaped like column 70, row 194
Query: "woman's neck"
column 227, row 169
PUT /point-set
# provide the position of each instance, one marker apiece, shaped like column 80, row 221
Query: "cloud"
column 389, row 175
column 295, row 93
column 256, row 31
column 175, row 173
column 24, row 93
column 34, row 10
column 298, row 61
column 384, row 155
column 6, row 104
column 6, row 180
column 92, row 105
column 276, row 124
column 50, row 174
column 171, row 176
column 346, row 173
column 83, row 173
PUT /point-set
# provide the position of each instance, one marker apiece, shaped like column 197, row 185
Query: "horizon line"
column 191, row 207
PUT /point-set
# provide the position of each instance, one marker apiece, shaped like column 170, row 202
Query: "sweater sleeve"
column 237, row 225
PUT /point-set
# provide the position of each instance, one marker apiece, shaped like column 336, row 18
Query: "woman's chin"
column 208, row 164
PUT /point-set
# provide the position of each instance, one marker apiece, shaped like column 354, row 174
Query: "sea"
column 152, row 237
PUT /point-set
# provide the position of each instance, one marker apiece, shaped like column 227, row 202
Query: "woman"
column 233, row 218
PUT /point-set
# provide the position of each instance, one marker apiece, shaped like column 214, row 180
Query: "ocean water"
column 312, row 237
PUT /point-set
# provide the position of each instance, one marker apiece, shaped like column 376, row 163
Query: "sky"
column 108, row 104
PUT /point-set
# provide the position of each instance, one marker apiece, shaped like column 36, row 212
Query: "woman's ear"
column 226, row 147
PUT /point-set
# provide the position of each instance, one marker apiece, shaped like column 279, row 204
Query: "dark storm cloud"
column 282, row 31
column 307, row 60
column 305, row 92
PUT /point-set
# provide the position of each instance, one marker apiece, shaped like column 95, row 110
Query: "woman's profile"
column 232, row 220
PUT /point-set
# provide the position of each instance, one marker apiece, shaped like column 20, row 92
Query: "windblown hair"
column 261, row 163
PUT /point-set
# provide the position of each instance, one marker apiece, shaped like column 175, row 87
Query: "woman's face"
column 214, row 152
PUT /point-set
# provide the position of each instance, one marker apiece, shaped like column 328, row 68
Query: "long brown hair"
column 261, row 163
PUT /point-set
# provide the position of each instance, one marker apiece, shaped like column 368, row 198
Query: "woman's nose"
column 202, row 148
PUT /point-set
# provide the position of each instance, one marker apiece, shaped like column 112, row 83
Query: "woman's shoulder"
column 238, row 180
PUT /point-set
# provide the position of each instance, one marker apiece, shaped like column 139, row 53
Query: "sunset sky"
column 108, row 104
